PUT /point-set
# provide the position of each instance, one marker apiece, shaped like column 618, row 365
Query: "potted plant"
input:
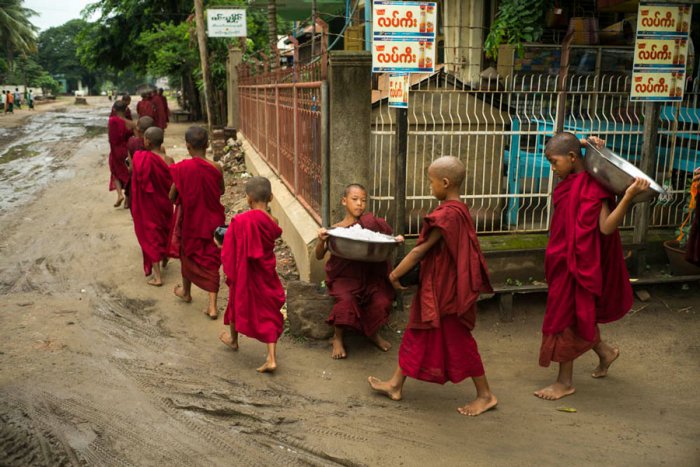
column 517, row 21
column 676, row 249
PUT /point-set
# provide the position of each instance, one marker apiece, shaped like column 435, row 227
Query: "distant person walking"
column 30, row 100
column 18, row 99
column 3, row 99
column 10, row 103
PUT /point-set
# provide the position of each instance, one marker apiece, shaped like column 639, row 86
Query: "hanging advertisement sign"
column 226, row 23
column 392, row 18
column 403, row 36
column 399, row 85
column 660, row 52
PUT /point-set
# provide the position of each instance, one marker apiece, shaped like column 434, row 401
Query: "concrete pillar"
column 464, row 38
column 234, row 59
column 349, row 83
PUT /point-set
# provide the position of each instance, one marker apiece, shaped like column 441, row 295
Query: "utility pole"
column 203, row 58
column 272, row 25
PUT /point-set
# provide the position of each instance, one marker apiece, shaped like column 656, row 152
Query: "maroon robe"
column 692, row 254
column 438, row 345
column 146, row 108
column 161, row 118
column 198, row 184
column 151, row 207
column 585, row 271
column 256, row 294
column 362, row 291
column 118, row 137
column 134, row 144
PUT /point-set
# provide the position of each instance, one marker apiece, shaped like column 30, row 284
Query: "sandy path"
column 99, row 368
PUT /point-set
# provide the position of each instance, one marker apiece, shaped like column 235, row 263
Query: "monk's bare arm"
column 321, row 246
column 415, row 255
column 610, row 221
column 173, row 193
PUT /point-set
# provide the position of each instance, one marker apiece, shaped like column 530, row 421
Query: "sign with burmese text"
column 399, row 85
column 403, row 36
column 226, row 23
column 660, row 52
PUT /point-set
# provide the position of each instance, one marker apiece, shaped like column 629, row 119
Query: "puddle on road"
column 34, row 154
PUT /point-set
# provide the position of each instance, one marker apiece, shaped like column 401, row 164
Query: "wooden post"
column 203, row 58
column 650, row 138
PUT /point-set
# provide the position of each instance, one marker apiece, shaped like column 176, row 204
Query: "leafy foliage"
column 517, row 21
column 17, row 33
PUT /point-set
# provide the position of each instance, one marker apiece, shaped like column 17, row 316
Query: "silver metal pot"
column 360, row 250
column 617, row 174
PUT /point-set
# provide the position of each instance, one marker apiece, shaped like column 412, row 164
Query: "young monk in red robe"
column 161, row 117
column 165, row 104
column 135, row 144
column 145, row 107
column 198, row 184
column 119, row 130
column 362, row 291
column 584, row 266
column 127, row 112
column 438, row 345
column 151, row 207
column 256, row 294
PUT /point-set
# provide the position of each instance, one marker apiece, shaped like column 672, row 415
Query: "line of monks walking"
column 177, row 213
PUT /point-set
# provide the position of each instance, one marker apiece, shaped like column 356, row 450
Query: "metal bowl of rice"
column 616, row 174
column 359, row 244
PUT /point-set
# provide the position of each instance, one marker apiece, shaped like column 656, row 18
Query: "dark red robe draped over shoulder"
column 198, row 184
column 151, row 207
column 146, row 108
column 585, row 271
column 438, row 345
column 127, row 113
column 134, row 144
column 256, row 294
column 161, row 118
column 362, row 291
column 118, row 135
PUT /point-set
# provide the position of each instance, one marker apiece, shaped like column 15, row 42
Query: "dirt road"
column 98, row 368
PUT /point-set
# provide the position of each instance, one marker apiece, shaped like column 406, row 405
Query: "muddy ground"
column 98, row 368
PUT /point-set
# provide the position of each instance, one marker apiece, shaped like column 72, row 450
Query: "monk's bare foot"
column 386, row 388
column 267, row 367
column 338, row 352
column 180, row 292
column 605, row 361
column 555, row 391
column 155, row 282
column 213, row 314
column 164, row 262
column 119, row 202
column 226, row 338
column 383, row 344
column 478, row 406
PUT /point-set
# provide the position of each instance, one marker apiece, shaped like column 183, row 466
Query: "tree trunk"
column 272, row 25
column 203, row 56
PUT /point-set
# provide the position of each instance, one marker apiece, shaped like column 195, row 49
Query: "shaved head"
column 562, row 144
column 119, row 106
column 154, row 135
column 145, row 123
column 449, row 167
column 352, row 186
column 259, row 189
column 197, row 137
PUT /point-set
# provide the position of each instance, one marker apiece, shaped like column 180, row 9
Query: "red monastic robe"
column 362, row 291
column 585, row 270
column 135, row 144
column 161, row 118
column 118, row 137
column 256, row 294
column 438, row 345
column 198, row 184
column 146, row 108
column 151, row 207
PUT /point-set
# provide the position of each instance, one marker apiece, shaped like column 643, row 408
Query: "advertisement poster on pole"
column 403, row 37
column 226, row 23
column 660, row 52
column 399, row 85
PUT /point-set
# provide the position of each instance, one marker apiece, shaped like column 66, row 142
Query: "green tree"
column 58, row 54
column 17, row 33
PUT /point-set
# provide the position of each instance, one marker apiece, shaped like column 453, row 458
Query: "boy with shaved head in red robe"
column 363, row 294
column 161, row 106
column 438, row 345
column 146, row 107
column 255, row 291
column 151, row 207
column 198, row 184
column 134, row 144
column 584, row 266
column 119, row 129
